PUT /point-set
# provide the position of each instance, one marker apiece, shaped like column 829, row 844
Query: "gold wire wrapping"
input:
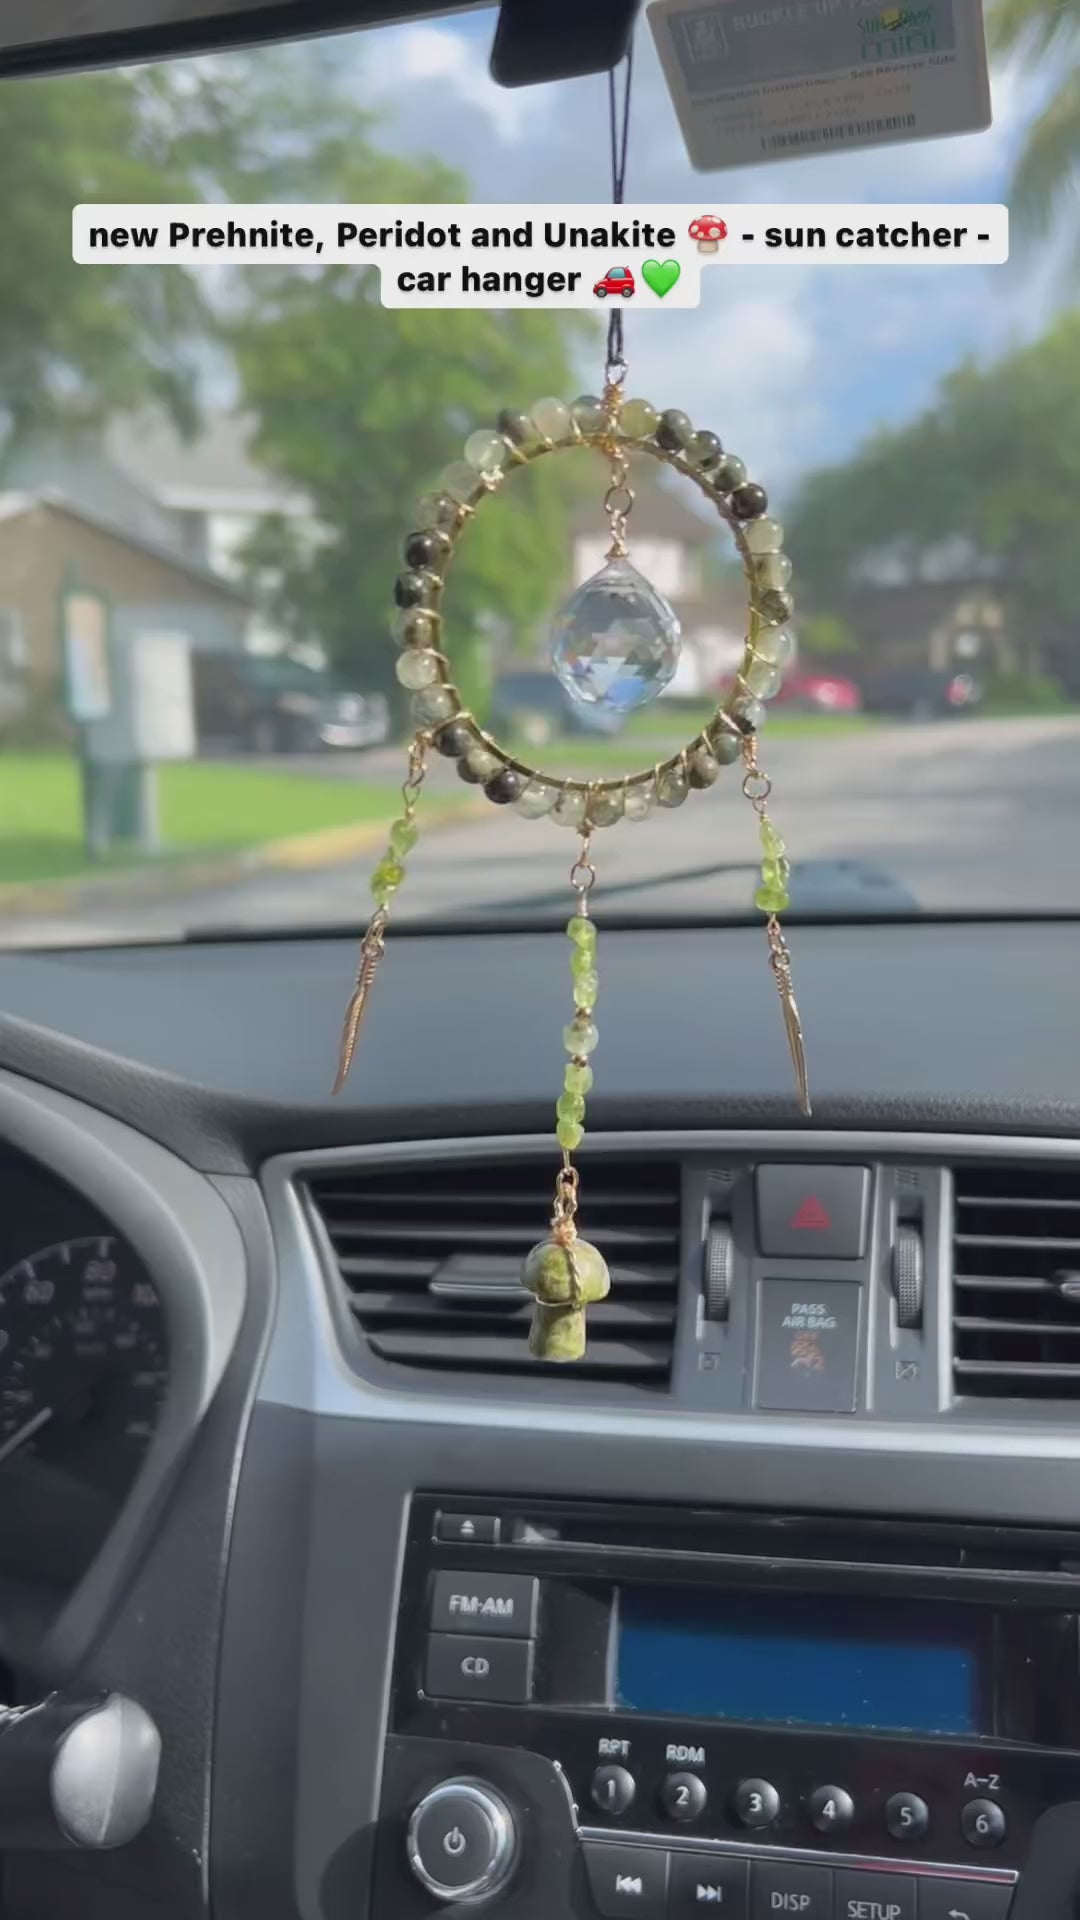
column 373, row 944
column 757, row 787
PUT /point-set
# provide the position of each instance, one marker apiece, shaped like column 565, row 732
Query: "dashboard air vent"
column 430, row 1256
column 1016, row 1282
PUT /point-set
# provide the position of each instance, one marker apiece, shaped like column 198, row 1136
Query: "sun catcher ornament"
column 615, row 642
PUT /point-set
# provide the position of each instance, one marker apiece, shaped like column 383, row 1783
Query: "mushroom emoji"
column 708, row 230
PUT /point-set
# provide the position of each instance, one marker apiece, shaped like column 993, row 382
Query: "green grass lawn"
column 204, row 809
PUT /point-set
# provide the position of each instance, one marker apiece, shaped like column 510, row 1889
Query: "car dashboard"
column 771, row 1604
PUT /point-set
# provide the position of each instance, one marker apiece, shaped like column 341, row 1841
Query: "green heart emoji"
column 660, row 275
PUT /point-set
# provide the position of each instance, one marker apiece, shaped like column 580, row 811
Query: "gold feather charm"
column 780, row 962
column 372, row 948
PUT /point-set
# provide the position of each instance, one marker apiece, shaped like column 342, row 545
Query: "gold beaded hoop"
column 562, row 1272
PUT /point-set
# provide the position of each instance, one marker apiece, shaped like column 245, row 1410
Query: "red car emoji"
column 615, row 280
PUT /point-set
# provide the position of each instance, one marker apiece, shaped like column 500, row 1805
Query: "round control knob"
column 462, row 1840
column 983, row 1823
column 831, row 1809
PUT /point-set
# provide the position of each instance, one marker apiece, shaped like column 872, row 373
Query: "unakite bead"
column 487, row 452
column 637, row 419
column 386, row 878
column 569, row 1134
column 551, row 419
column 428, row 548
column 772, row 570
column 704, row 450
column 606, row 807
column 435, row 704
column 404, row 835
column 771, row 841
column 415, row 627
column 587, row 413
column 674, row 429
column 570, row 1106
column 581, row 931
column 581, row 1036
column 703, row 767
column 578, row 1079
column 480, row 765
column 775, row 606
column 586, row 988
column 730, row 472
column 462, row 482
column 763, row 677
column 748, row 501
column 772, row 899
column 672, row 785
column 517, row 427
column 727, row 746
column 764, row 536
column 416, row 668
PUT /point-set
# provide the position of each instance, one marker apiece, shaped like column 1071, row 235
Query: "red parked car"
column 820, row 693
column 616, row 280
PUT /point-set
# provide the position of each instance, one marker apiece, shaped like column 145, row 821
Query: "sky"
column 793, row 366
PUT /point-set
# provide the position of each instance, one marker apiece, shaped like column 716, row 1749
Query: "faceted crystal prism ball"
column 615, row 642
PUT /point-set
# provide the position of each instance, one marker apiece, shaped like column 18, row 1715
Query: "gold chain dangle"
column 385, row 882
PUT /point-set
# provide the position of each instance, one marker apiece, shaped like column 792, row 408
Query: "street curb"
column 298, row 853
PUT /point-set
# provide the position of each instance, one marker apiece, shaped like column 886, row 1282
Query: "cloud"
column 425, row 70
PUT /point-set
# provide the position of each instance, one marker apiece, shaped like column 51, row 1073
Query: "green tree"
column 361, row 406
column 1047, row 170
column 994, row 462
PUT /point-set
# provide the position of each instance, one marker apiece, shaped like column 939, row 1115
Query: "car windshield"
column 209, row 465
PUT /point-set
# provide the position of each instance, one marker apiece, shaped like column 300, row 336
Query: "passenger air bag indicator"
column 808, row 1345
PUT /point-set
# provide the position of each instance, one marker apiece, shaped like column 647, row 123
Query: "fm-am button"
column 461, row 1669
column 485, row 1603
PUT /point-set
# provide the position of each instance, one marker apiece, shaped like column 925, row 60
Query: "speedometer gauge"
column 83, row 1373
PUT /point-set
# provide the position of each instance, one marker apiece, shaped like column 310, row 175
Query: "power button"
column 461, row 1840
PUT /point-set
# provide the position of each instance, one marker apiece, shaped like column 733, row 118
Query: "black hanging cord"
column 619, row 123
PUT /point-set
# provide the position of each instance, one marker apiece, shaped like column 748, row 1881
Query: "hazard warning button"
column 813, row 1213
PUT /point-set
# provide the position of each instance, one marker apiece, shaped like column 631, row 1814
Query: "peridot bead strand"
column 581, row 931
column 772, row 899
column 586, row 988
column 581, row 1036
column 569, row 1134
column 772, row 844
column 570, row 1106
column 578, row 1078
column 386, row 879
column 403, row 837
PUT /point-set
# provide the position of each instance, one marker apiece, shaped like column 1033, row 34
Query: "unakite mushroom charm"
column 564, row 1276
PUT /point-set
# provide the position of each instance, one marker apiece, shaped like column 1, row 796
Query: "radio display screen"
column 804, row 1659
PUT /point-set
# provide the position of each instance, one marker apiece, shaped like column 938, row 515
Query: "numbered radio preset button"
column 683, row 1796
column 906, row 1816
column 831, row 1809
column 983, row 1823
column 613, row 1789
column 755, row 1803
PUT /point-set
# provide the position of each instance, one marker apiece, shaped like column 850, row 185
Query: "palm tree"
column 1047, row 174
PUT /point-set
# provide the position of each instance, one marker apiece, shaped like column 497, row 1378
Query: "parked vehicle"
column 274, row 703
column 923, row 693
column 533, row 706
column 820, row 693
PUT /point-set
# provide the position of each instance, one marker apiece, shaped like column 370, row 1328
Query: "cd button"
column 627, row 1880
column 683, row 1796
column 460, row 1669
column 962, row 1900
column 875, row 1896
column 613, row 1789
column 983, row 1823
column 778, row 1889
column 702, row 1883
column 755, row 1804
column 906, row 1816
column 831, row 1809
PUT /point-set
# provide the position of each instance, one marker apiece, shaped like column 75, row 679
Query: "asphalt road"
column 973, row 814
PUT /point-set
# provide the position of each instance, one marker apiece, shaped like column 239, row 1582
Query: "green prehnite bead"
column 570, row 1106
column 605, row 809
column 487, row 452
column 586, row 988
column 637, row 419
column 775, row 644
column 771, row 841
column 772, row 899
column 581, row 1036
column 772, row 570
column 403, row 837
column 551, row 419
column 386, row 878
column 582, row 961
column 569, row 1134
column 578, row 1079
column 582, row 931
column 462, row 482
column 764, row 536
